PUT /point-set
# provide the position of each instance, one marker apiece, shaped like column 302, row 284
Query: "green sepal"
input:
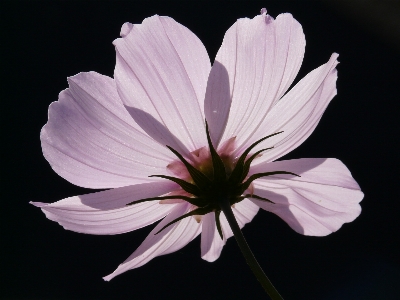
column 218, row 164
column 197, row 211
column 194, row 201
column 238, row 172
column 258, row 198
column 186, row 186
column 218, row 223
column 201, row 180
column 238, row 199
column 246, row 167
column 244, row 186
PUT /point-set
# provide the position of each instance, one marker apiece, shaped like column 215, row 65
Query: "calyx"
column 220, row 183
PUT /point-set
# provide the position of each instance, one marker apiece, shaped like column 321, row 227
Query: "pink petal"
column 161, row 74
column 92, row 141
column 106, row 212
column 318, row 203
column 244, row 212
column 256, row 64
column 297, row 113
column 211, row 242
column 169, row 240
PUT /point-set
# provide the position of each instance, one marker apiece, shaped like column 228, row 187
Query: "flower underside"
column 215, row 181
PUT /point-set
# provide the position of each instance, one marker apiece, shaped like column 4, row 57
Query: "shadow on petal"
column 280, row 207
column 120, row 197
column 323, row 199
column 156, row 130
column 301, row 166
column 217, row 103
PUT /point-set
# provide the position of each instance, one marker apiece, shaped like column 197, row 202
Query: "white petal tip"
column 38, row 204
column 263, row 11
column 108, row 277
column 126, row 28
column 210, row 258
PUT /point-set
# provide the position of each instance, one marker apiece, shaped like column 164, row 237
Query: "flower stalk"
column 246, row 251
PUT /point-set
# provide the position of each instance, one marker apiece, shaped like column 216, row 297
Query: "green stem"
column 248, row 255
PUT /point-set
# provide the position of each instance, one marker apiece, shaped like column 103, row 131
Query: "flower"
column 116, row 134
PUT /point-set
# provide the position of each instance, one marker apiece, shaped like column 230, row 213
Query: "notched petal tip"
column 125, row 29
column 38, row 204
column 108, row 277
column 334, row 58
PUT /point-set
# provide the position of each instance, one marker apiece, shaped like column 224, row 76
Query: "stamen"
column 198, row 218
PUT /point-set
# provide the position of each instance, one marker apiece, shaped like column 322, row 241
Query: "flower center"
column 213, row 177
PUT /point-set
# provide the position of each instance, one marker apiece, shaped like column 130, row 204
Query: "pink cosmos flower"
column 113, row 133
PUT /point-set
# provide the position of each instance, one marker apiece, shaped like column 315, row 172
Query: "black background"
column 44, row 42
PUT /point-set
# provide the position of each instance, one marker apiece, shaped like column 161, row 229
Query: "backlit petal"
column 297, row 113
column 92, row 141
column 161, row 74
column 169, row 240
column 244, row 212
column 106, row 212
column 256, row 64
column 319, row 202
column 211, row 242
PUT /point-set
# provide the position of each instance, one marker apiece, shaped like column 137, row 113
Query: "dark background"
column 44, row 42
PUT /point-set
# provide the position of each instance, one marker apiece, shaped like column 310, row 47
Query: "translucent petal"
column 319, row 202
column 169, row 240
column 92, row 141
column 256, row 64
column 106, row 212
column 296, row 114
column 211, row 242
column 161, row 74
